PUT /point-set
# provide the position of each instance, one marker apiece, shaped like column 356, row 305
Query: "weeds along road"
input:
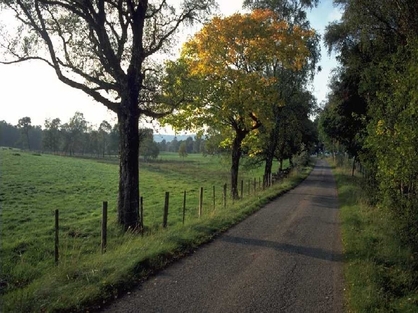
column 287, row 257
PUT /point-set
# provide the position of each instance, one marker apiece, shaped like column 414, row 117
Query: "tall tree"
column 189, row 144
column 92, row 142
column 147, row 147
column 104, row 48
column 162, row 146
column 52, row 134
column 74, row 132
column 174, row 145
column 114, row 140
column 345, row 115
column 25, row 124
column 104, row 130
column 227, row 67
column 290, row 83
column 183, row 150
column 376, row 44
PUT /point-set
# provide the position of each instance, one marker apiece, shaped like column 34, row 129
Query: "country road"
column 287, row 257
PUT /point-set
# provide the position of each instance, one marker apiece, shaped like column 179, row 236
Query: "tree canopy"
column 373, row 101
column 228, row 70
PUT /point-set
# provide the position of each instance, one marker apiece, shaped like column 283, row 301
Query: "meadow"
column 32, row 186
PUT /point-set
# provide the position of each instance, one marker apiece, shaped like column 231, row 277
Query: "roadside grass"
column 379, row 271
column 32, row 187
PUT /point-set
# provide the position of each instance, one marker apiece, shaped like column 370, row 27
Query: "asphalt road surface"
column 287, row 257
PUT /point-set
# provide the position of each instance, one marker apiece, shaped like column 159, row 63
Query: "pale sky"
column 32, row 89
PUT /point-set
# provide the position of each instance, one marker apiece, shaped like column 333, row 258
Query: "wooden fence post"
column 56, row 254
column 249, row 187
column 214, row 198
column 201, row 202
column 141, row 203
column 104, row 226
column 255, row 185
column 225, row 196
column 242, row 189
column 184, row 206
column 166, row 203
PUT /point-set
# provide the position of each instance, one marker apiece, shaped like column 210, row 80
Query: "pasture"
column 33, row 186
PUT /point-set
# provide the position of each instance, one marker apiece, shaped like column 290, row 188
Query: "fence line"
column 267, row 181
column 166, row 204
column 104, row 227
column 56, row 250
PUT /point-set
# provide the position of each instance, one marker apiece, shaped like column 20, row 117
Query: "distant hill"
column 168, row 138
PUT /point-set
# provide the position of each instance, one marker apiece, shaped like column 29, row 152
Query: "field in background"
column 33, row 186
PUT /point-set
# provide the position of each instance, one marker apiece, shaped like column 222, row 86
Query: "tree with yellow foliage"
column 227, row 70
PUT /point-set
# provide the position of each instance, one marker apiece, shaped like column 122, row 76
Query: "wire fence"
column 176, row 207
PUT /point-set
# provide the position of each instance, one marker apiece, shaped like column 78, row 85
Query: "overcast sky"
column 32, row 89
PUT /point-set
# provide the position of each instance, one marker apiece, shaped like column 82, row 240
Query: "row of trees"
column 242, row 79
column 78, row 137
column 245, row 78
column 373, row 106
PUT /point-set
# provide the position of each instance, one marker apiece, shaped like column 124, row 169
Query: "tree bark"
column 128, row 199
column 354, row 166
column 236, row 156
column 268, row 166
column 272, row 144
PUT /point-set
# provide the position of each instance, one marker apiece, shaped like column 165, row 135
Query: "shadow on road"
column 316, row 253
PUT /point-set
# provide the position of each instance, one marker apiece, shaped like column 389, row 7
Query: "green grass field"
column 379, row 271
column 33, row 186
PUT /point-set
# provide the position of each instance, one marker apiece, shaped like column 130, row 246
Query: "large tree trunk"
column 354, row 166
column 272, row 144
column 271, row 147
column 236, row 156
column 281, row 164
column 267, row 168
column 128, row 200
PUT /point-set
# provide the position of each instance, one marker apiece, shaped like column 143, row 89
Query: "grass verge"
column 379, row 271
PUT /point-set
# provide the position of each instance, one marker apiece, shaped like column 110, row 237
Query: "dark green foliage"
column 183, row 150
column 290, row 10
column 25, row 125
column 344, row 117
column 52, row 135
column 9, row 134
column 372, row 109
column 148, row 149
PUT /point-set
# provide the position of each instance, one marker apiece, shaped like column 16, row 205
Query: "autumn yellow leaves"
column 229, row 69
column 229, row 73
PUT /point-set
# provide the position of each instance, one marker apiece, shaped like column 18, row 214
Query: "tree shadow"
column 316, row 253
